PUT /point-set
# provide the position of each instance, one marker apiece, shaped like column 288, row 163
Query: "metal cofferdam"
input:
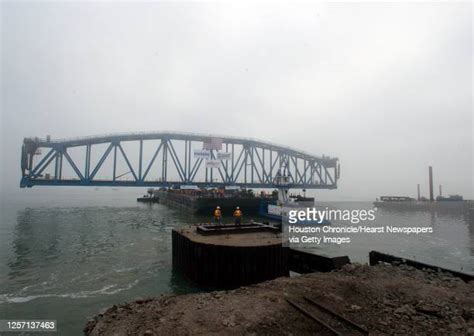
column 168, row 159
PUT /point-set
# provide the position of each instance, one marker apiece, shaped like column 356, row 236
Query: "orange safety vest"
column 217, row 213
column 237, row 213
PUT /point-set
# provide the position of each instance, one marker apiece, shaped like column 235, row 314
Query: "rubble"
column 385, row 299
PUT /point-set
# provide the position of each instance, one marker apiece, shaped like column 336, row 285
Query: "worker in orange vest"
column 218, row 215
column 238, row 216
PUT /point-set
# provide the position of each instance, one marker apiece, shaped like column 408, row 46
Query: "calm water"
column 65, row 254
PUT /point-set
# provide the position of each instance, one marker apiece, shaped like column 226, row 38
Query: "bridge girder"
column 250, row 163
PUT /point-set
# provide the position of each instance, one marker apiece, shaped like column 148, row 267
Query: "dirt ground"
column 385, row 299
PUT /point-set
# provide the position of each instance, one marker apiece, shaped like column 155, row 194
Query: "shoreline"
column 384, row 299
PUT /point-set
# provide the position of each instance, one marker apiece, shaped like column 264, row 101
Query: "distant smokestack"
column 418, row 187
column 431, row 183
column 440, row 190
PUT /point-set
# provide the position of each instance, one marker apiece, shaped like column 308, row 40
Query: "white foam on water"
column 127, row 269
column 107, row 290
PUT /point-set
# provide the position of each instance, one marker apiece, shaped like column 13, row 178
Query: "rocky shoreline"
column 384, row 299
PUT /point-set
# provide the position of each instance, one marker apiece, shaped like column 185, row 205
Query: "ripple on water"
column 106, row 290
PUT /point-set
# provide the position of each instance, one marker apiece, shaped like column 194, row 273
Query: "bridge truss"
column 167, row 159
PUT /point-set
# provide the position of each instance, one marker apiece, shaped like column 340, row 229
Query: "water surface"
column 65, row 254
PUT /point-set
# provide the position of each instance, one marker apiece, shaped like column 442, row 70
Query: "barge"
column 407, row 203
column 440, row 203
column 205, row 201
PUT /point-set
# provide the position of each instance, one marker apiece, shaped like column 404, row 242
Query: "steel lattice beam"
column 252, row 163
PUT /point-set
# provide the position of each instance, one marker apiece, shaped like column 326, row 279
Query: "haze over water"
column 65, row 254
column 385, row 87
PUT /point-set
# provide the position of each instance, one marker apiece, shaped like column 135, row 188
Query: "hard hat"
column 237, row 208
column 218, row 207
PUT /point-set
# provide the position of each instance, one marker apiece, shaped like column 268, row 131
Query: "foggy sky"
column 387, row 88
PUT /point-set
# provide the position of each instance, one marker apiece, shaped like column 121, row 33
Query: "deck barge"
column 205, row 203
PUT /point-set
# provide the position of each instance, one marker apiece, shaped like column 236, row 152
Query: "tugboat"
column 279, row 210
column 151, row 197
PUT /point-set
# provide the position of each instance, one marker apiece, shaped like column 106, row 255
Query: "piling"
column 229, row 259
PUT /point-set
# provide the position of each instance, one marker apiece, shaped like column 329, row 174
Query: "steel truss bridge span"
column 168, row 159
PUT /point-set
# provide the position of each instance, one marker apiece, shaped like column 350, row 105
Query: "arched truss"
column 171, row 162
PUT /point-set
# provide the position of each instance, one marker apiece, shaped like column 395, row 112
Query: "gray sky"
column 387, row 88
